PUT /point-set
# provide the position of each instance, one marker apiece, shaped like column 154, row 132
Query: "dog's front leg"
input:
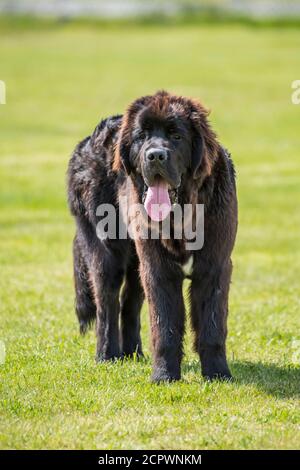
column 162, row 281
column 209, row 309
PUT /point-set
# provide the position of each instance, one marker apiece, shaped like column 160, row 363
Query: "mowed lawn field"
column 61, row 80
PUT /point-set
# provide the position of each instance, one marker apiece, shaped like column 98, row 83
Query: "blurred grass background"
column 62, row 77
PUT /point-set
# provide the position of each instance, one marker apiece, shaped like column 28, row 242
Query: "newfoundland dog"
column 161, row 154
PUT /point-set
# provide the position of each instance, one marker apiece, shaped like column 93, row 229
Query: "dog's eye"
column 142, row 135
column 176, row 136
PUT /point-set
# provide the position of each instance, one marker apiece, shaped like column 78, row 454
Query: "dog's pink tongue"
column 157, row 202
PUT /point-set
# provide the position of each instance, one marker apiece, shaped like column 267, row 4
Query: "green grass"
column 60, row 81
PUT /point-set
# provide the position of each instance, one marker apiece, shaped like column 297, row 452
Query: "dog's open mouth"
column 158, row 199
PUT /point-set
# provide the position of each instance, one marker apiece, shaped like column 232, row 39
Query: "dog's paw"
column 105, row 357
column 135, row 356
column 162, row 375
column 214, row 366
column 224, row 376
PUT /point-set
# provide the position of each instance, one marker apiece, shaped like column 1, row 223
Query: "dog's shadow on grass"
column 279, row 381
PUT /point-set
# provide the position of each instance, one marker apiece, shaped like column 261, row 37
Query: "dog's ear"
column 197, row 152
column 204, row 142
column 123, row 147
column 122, row 150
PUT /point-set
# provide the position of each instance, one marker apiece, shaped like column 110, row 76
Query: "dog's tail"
column 84, row 301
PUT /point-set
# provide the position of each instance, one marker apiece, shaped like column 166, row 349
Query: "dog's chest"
column 187, row 267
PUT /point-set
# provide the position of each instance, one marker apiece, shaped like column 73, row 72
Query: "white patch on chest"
column 187, row 268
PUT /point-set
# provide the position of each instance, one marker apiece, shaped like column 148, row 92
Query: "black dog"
column 162, row 151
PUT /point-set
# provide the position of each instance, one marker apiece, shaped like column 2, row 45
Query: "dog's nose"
column 159, row 155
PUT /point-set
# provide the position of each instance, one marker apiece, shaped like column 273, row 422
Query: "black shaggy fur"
column 100, row 267
column 100, row 166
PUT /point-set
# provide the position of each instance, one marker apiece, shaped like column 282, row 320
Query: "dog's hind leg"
column 107, row 273
column 132, row 298
column 85, row 306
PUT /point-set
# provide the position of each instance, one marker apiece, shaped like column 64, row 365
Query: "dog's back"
column 90, row 177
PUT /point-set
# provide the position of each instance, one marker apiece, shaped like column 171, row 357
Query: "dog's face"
column 163, row 139
column 161, row 147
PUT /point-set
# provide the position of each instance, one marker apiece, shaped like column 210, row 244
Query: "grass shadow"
column 279, row 381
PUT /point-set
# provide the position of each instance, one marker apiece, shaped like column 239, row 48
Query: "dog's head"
column 163, row 140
